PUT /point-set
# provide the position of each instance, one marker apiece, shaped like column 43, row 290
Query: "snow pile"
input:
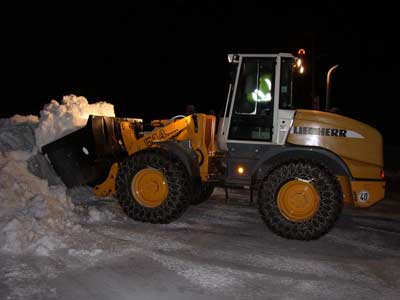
column 58, row 120
column 33, row 215
column 36, row 212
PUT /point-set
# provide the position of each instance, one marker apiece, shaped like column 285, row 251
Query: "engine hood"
column 355, row 142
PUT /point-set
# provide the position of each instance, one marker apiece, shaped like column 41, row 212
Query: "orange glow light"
column 240, row 170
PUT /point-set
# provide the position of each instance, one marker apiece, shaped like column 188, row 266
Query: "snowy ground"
column 215, row 251
column 57, row 243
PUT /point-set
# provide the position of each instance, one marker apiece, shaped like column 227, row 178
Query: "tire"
column 165, row 165
column 203, row 194
column 320, row 198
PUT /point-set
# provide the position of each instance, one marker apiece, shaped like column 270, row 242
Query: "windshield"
column 254, row 93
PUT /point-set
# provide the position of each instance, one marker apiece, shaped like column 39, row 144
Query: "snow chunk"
column 81, row 253
column 58, row 120
column 40, row 166
column 18, row 119
column 97, row 215
column 94, row 215
column 88, row 257
column 46, row 244
column 18, row 137
column 93, row 209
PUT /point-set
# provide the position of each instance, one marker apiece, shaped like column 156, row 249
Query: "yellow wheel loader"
column 304, row 164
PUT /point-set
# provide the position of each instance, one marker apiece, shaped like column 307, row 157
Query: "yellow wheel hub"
column 298, row 200
column 149, row 187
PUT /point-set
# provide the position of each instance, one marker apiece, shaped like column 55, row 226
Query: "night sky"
column 152, row 60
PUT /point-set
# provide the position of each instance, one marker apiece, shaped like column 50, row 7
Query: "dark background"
column 151, row 60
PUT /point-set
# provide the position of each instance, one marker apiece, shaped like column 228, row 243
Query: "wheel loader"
column 303, row 164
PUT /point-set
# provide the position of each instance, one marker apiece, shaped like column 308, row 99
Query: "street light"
column 327, row 99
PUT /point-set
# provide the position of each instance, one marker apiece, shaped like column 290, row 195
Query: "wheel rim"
column 149, row 187
column 298, row 200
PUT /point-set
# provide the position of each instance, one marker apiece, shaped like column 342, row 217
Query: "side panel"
column 346, row 189
column 258, row 159
column 285, row 122
column 222, row 133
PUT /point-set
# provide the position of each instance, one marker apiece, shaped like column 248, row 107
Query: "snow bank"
column 33, row 216
column 58, row 120
column 36, row 212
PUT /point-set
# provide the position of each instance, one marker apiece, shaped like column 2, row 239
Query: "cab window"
column 252, row 115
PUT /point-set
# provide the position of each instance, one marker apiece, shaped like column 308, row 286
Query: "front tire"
column 153, row 186
column 300, row 200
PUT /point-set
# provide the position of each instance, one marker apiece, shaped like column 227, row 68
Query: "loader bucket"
column 86, row 155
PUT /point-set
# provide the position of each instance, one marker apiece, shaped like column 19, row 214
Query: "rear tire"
column 173, row 172
column 203, row 194
column 300, row 200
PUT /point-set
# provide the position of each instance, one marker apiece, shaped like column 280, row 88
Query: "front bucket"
column 86, row 155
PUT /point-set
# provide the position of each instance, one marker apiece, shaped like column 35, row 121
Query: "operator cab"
column 259, row 107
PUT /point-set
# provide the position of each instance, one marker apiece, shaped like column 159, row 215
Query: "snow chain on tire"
column 178, row 198
column 326, row 186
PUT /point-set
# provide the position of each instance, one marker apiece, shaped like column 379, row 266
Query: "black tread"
column 330, row 200
column 178, row 198
column 204, row 192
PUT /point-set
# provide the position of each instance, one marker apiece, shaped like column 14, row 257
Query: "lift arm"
column 199, row 129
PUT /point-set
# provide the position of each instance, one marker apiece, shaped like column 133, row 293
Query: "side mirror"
column 233, row 58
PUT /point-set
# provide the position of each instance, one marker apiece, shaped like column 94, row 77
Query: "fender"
column 185, row 153
column 177, row 151
column 333, row 162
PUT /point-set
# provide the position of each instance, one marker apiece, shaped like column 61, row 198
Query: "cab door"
column 252, row 114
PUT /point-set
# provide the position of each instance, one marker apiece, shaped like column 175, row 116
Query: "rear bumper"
column 367, row 192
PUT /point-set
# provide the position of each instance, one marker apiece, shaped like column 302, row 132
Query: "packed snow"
column 57, row 120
